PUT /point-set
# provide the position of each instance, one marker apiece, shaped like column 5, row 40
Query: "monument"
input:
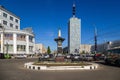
column 74, row 33
column 59, row 41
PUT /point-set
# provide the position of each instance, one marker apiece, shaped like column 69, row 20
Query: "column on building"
column 27, row 44
column 2, row 43
column 33, row 45
column 14, row 43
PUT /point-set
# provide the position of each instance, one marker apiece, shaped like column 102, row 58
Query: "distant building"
column 74, row 33
column 39, row 48
column 12, row 39
column 106, row 46
column 85, row 48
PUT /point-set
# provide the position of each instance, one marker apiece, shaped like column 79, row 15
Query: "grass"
column 61, row 64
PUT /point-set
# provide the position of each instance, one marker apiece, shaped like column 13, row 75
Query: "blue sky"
column 47, row 16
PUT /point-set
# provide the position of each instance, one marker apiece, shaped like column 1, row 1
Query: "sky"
column 47, row 16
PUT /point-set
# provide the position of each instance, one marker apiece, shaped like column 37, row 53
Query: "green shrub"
column 7, row 56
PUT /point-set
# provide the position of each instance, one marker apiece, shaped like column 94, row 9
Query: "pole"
column 95, row 39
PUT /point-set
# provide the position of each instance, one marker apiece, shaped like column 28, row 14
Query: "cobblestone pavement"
column 13, row 69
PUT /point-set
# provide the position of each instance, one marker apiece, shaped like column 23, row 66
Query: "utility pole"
column 95, row 39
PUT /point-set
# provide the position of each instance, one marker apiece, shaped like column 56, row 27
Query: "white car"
column 20, row 56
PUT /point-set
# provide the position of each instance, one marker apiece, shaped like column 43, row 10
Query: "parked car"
column 20, row 56
column 2, row 56
column 75, row 57
column 46, row 57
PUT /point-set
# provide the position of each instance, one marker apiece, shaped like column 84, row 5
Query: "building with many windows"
column 74, row 33
column 12, row 39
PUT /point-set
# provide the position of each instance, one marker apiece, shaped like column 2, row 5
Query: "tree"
column 83, row 52
column 48, row 50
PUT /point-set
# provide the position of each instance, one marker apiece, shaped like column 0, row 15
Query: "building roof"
column 4, row 9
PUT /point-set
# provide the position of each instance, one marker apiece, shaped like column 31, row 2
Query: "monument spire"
column 74, row 10
column 59, row 33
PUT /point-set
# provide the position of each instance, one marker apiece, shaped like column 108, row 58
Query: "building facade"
column 39, row 48
column 74, row 34
column 85, row 48
column 12, row 39
column 106, row 46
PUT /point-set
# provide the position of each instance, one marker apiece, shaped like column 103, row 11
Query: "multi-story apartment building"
column 85, row 48
column 12, row 39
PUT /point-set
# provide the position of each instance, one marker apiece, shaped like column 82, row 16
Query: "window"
column 16, row 20
column 30, row 38
column 16, row 27
column 31, row 48
column 5, row 15
column 21, row 37
column 8, row 36
column 11, row 25
column 11, row 18
column 4, row 22
column 8, row 47
column 21, row 48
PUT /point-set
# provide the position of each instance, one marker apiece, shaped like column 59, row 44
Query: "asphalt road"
column 13, row 69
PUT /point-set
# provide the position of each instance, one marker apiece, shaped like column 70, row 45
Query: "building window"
column 16, row 27
column 21, row 48
column 31, row 48
column 16, row 20
column 8, row 47
column 4, row 22
column 21, row 37
column 30, row 38
column 11, row 18
column 8, row 36
column 11, row 25
column 5, row 15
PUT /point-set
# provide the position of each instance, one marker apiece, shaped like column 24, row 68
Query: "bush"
column 7, row 56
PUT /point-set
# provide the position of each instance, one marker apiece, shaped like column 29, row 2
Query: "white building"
column 12, row 39
column 74, row 33
column 39, row 48
column 86, row 48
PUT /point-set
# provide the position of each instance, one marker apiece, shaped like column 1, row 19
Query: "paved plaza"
column 13, row 69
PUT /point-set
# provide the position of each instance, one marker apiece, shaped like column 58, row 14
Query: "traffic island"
column 60, row 66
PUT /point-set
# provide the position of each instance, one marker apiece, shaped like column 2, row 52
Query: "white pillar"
column 14, row 43
column 1, row 42
column 27, row 45
column 33, row 45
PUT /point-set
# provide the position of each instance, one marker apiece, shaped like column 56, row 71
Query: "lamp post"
column 3, row 29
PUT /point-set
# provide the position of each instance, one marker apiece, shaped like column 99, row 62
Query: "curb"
column 30, row 65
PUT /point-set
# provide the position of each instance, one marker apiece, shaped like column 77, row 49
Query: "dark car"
column 75, row 57
column 2, row 56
